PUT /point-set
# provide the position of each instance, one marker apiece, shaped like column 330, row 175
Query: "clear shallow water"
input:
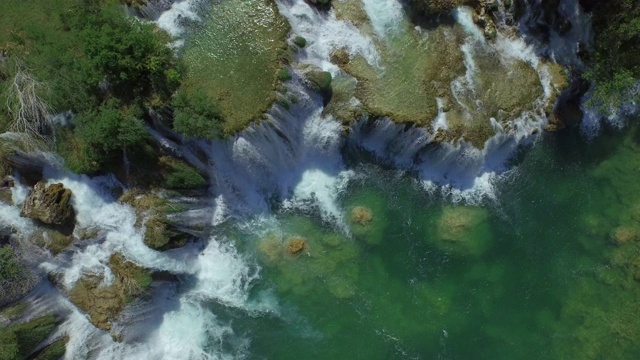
column 533, row 275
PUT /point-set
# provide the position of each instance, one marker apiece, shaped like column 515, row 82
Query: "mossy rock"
column 319, row 81
column 284, row 75
column 135, row 278
column 49, row 204
column 300, row 41
column 101, row 303
column 52, row 240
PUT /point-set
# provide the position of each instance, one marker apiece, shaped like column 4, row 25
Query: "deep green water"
column 532, row 275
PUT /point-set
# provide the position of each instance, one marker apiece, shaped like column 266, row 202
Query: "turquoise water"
column 534, row 274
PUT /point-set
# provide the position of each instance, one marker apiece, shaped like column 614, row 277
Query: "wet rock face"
column 441, row 6
column 320, row 4
column 5, row 191
column 50, row 205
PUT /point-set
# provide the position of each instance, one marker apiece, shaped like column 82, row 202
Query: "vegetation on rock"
column 19, row 341
column 614, row 65
column 49, row 204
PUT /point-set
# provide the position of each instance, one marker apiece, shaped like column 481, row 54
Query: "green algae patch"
column 234, row 57
column 446, row 74
column 462, row 230
column 302, row 257
column 414, row 71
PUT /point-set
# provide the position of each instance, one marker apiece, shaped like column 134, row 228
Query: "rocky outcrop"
column 50, row 205
column 101, row 303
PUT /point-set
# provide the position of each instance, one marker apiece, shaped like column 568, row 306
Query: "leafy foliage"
column 195, row 115
column 614, row 65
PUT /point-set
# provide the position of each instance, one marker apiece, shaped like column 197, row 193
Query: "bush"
column 111, row 127
column 195, row 115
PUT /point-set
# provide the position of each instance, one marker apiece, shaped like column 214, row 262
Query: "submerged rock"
column 623, row 234
column 462, row 230
column 51, row 205
column 361, row 215
column 296, row 245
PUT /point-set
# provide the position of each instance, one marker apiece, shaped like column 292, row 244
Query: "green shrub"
column 195, row 115
column 111, row 127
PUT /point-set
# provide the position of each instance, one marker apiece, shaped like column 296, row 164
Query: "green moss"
column 182, row 176
column 135, row 277
column 300, row 41
column 25, row 337
column 320, row 81
column 284, row 75
column 53, row 351
column 10, row 267
column 415, row 73
column 14, row 311
column 234, row 58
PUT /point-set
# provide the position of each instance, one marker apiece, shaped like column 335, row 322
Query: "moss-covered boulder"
column 151, row 210
column 101, row 303
column 49, row 204
column 320, row 82
column 134, row 278
column 52, row 240
column 6, row 195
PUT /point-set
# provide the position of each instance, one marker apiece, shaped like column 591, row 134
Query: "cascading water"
column 291, row 161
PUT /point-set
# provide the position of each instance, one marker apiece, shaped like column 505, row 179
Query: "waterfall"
column 293, row 159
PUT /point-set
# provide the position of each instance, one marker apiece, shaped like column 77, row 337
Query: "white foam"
column 172, row 20
column 386, row 16
column 325, row 34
